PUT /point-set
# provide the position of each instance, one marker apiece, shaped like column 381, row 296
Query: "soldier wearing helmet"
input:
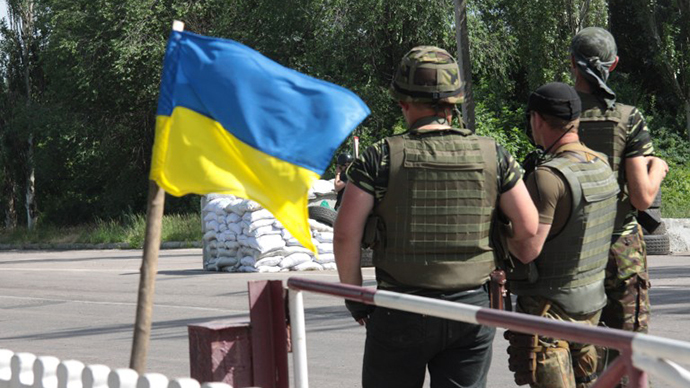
column 342, row 163
column 620, row 132
column 424, row 201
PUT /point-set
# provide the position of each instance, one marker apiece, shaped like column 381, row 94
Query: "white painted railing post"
column 152, row 380
column 25, row 370
column 95, row 376
column 184, row 382
column 45, row 372
column 298, row 338
column 123, row 378
column 22, row 366
column 69, row 374
column 5, row 367
column 216, row 385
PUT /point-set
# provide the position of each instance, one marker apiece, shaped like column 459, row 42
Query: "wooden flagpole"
column 149, row 268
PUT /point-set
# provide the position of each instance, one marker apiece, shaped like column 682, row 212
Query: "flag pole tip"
column 178, row 25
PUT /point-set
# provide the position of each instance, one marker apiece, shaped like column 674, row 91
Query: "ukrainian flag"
column 232, row 121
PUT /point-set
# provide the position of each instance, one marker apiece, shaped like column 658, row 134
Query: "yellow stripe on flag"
column 195, row 154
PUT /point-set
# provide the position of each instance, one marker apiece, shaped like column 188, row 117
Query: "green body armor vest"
column 437, row 212
column 571, row 264
column 606, row 131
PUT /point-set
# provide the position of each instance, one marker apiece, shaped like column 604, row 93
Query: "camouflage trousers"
column 627, row 291
column 548, row 362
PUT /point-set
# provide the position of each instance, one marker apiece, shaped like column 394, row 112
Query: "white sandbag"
column 294, row 259
column 232, row 218
column 262, row 231
column 286, row 234
column 247, row 268
column 268, row 269
column 318, row 226
column 210, row 235
column 210, row 216
column 229, row 236
column 235, row 228
column 222, row 263
column 276, row 252
column 247, row 251
column 325, row 248
column 299, row 249
column 324, row 237
column 258, row 224
column 231, row 245
column 213, row 196
column 254, row 216
column 222, row 227
column 307, row 266
column 213, row 244
column 243, row 206
column 266, row 243
column 225, row 252
column 247, row 260
column 293, row 242
column 325, row 258
column 212, row 225
column 329, row 266
column 272, row 261
column 218, row 205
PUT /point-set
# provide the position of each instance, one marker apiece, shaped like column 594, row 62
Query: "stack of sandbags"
column 241, row 236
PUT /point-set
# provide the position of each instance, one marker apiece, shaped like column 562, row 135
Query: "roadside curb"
column 84, row 246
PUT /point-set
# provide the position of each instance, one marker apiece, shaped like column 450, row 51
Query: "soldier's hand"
column 359, row 311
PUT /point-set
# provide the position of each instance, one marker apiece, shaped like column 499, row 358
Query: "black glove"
column 359, row 310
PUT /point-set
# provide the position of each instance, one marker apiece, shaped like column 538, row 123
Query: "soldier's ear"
column 615, row 63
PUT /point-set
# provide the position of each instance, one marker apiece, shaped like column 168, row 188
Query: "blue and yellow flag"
column 232, row 121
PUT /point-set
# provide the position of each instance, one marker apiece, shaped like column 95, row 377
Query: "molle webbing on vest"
column 606, row 131
column 437, row 212
column 571, row 264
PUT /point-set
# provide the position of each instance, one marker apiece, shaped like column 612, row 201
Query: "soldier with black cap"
column 575, row 192
column 620, row 132
column 425, row 201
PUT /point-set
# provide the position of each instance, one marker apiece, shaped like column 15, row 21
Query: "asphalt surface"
column 81, row 305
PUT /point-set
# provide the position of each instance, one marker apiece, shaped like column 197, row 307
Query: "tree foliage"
column 95, row 68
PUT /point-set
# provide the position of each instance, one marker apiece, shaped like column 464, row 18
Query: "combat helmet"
column 427, row 74
column 344, row 159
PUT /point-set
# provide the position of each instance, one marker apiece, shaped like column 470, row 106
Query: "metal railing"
column 639, row 353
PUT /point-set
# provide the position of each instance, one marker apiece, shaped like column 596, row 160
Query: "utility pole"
column 463, row 41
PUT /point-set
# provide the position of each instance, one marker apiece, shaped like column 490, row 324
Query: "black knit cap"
column 556, row 99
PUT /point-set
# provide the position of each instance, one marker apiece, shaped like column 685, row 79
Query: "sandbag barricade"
column 241, row 236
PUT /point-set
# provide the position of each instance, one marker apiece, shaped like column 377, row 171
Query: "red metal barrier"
column 611, row 338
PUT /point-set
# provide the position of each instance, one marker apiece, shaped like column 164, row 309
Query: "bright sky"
column 3, row 9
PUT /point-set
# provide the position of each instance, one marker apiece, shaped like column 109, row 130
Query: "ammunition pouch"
column 374, row 232
column 522, row 356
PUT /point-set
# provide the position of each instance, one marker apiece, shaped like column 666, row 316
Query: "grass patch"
column 675, row 201
column 176, row 227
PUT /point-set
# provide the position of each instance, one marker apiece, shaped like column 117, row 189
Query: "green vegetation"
column 182, row 228
column 79, row 84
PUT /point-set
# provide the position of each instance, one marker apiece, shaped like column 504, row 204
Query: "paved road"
column 81, row 305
